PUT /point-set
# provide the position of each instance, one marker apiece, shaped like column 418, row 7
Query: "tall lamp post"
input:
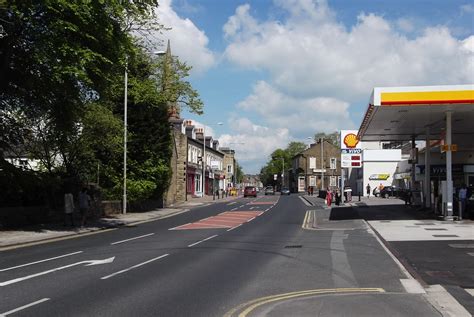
column 124, row 206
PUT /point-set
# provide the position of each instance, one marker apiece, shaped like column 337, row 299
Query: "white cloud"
column 253, row 143
column 304, row 116
column 311, row 55
column 317, row 67
column 187, row 40
column 467, row 8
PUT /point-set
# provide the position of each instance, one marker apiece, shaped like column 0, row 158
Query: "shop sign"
column 351, row 151
column 439, row 170
column 380, row 177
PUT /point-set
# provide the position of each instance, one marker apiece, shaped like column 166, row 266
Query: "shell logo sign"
column 350, row 140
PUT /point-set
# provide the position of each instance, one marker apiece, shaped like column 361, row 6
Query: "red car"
column 250, row 191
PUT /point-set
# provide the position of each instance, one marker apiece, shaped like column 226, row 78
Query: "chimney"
column 215, row 144
column 199, row 134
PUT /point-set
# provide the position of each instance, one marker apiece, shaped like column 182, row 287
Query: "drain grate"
column 296, row 246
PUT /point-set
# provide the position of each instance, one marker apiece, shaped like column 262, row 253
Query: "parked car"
column 250, row 191
column 376, row 192
column 285, row 191
column 269, row 190
column 391, row 191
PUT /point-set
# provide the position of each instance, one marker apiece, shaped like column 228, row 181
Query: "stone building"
column 310, row 168
column 229, row 167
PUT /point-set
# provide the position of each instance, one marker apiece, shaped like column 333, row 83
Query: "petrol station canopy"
column 404, row 113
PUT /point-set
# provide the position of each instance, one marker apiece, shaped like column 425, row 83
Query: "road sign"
column 351, row 160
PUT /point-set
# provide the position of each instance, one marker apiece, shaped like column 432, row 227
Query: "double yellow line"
column 248, row 307
column 307, row 217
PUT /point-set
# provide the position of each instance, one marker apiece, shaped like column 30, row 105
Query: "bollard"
column 359, row 196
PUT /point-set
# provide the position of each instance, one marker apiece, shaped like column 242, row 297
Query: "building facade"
column 318, row 166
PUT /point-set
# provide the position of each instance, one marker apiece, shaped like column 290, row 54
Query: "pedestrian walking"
column 338, row 197
column 68, row 209
column 311, row 189
column 84, row 205
column 368, row 190
column 462, row 195
column 328, row 197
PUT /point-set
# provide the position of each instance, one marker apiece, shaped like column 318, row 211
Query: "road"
column 249, row 257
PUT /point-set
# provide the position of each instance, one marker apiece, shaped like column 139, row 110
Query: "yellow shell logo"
column 350, row 140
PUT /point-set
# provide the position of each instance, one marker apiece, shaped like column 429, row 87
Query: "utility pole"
column 322, row 164
column 283, row 173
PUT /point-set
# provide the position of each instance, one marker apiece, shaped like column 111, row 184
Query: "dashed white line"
column 36, row 262
column 145, row 235
column 174, row 228
column 195, row 243
column 235, row 208
column 24, row 307
column 133, row 267
column 251, row 219
column 234, row 227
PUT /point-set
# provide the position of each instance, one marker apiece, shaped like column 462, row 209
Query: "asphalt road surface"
column 249, row 257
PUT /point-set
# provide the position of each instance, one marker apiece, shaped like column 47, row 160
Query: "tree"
column 331, row 137
column 61, row 91
column 280, row 160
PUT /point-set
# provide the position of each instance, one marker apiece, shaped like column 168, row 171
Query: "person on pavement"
column 84, row 205
column 368, row 190
column 462, row 195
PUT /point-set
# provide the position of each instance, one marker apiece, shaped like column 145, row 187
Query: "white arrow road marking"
column 36, row 262
column 133, row 267
column 89, row 263
column 25, row 306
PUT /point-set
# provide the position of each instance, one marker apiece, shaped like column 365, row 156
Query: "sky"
column 277, row 71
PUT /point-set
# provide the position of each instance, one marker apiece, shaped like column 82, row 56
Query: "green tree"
column 331, row 137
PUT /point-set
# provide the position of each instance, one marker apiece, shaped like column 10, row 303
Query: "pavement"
column 46, row 232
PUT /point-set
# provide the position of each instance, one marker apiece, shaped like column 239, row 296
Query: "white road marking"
column 251, row 219
column 471, row 253
column 462, row 245
column 24, row 307
column 234, row 227
column 195, row 243
column 232, row 203
column 234, row 208
column 40, row 261
column 133, row 267
column 90, row 262
column 146, row 235
column 180, row 226
column 470, row 291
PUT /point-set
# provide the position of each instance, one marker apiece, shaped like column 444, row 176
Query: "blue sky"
column 276, row 71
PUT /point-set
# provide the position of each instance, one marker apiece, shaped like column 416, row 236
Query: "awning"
column 400, row 113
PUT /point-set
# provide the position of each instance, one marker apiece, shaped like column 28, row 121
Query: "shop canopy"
column 403, row 113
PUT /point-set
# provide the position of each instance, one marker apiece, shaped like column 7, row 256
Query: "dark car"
column 269, row 190
column 390, row 191
column 250, row 191
column 285, row 191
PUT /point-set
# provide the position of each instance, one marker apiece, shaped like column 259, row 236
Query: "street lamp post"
column 124, row 207
column 322, row 164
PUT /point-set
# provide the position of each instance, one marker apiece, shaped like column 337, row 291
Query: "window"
column 229, row 168
column 312, row 162
column 333, row 163
column 332, row 181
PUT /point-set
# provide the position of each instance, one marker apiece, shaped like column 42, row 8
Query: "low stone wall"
column 111, row 207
